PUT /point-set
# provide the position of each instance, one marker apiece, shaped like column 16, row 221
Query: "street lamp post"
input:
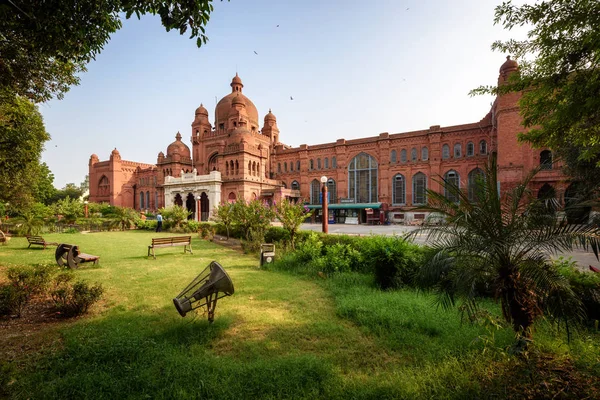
column 85, row 203
column 325, row 213
column 198, row 208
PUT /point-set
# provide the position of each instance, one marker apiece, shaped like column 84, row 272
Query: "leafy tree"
column 502, row 244
column 175, row 214
column 123, row 216
column 224, row 215
column 44, row 44
column 70, row 209
column 22, row 137
column 291, row 215
column 559, row 74
column 70, row 190
column 85, row 185
column 30, row 223
column 43, row 189
column 253, row 218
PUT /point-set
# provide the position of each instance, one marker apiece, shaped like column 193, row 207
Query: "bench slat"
column 169, row 242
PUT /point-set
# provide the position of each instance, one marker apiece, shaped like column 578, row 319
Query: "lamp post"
column 85, row 204
column 198, row 208
column 325, row 213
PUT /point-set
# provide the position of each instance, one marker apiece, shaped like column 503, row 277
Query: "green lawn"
column 279, row 335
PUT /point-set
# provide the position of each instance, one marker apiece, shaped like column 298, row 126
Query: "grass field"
column 279, row 335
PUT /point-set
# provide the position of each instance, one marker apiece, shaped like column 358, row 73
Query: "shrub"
column 310, row 249
column 393, row 260
column 341, row 258
column 206, row 231
column 12, row 300
column 277, row 234
column 32, row 280
column 586, row 286
column 76, row 299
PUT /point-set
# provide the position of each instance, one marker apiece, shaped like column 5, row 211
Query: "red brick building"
column 237, row 158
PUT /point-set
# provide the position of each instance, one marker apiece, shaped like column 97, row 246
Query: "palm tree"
column 30, row 223
column 501, row 243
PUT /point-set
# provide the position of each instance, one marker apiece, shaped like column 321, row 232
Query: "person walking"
column 158, row 222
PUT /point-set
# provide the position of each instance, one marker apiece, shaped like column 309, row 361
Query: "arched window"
column 546, row 159
column 470, row 149
column 291, row 166
column 332, row 190
column 393, row 157
column 226, row 168
column 237, row 167
column 475, row 182
column 445, row 152
column 254, row 168
column 147, row 199
column 333, row 162
column 318, row 163
column 362, row 179
column 231, row 166
column 103, row 186
column 311, row 165
column 250, row 168
column 278, row 168
column 483, row 147
column 399, row 189
column 141, row 200
column 315, row 192
column 285, row 166
column 156, row 205
column 298, row 166
column 212, row 163
column 457, row 150
column 326, row 163
column 413, row 155
column 451, row 181
column 419, row 188
column 403, row 155
column 231, row 197
column 424, row 154
column 295, row 185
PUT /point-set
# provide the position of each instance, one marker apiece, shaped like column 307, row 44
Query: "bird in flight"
column 291, row 98
column 255, row 52
column 278, row 26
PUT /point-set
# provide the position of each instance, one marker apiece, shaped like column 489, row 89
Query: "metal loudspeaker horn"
column 212, row 284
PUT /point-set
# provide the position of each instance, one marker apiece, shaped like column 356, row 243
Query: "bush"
column 206, row 231
column 586, row 286
column 32, row 280
column 12, row 300
column 7, row 372
column 276, row 234
column 393, row 260
column 76, row 299
column 341, row 258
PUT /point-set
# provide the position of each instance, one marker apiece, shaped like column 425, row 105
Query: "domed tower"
column 270, row 128
column 178, row 158
column 224, row 121
column 201, row 125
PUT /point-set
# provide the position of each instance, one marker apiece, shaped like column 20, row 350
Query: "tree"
column 44, row 44
column 501, row 244
column 70, row 209
column 124, row 216
column 43, row 189
column 559, row 72
column 175, row 214
column 70, row 190
column 291, row 215
column 22, row 137
column 253, row 218
column 224, row 215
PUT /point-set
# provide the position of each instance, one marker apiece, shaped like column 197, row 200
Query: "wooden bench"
column 39, row 240
column 69, row 254
column 4, row 238
column 185, row 241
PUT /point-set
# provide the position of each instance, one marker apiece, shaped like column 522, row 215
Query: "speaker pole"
column 210, row 306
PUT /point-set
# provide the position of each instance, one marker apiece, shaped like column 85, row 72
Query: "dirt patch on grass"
column 231, row 243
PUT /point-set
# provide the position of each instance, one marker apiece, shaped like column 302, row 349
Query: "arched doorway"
column 577, row 213
column 204, row 207
column 190, row 204
column 231, row 198
column 178, row 200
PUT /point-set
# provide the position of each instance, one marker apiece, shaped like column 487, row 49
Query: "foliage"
column 74, row 299
column 30, row 223
column 393, row 260
column 123, row 216
column 224, row 215
column 501, row 242
column 45, row 44
column 206, row 230
column 291, row 215
column 559, row 74
column 276, row 234
column 12, row 300
column 22, row 137
column 175, row 215
column 23, row 282
column 586, row 286
column 70, row 190
column 253, row 218
column 70, row 209
column 341, row 257
column 43, row 188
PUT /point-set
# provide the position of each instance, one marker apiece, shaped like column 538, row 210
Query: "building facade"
column 369, row 179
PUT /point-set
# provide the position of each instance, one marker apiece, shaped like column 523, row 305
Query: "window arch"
column 141, row 200
column 212, row 163
column 451, row 180
column 470, row 149
column 298, row 166
column 393, row 156
column 398, row 189
column 332, row 190
column 226, row 168
column 285, row 166
column 546, row 159
column 445, row 152
column 413, row 155
column 156, row 205
column 419, row 188
column 315, row 191
column 295, row 185
column 103, row 186
column 483, row 147
column 250, row 168
column 333, row 162
column 278, row 168
column 403, row 155
column 457, row 150
column 476, row 177
column 311, row 164
column 326, row 163
column 147, row 199
column 362, row 178
column 291, row 166
column 318, row 163
column 253, row 167
column 424, row 154
column 237, row 167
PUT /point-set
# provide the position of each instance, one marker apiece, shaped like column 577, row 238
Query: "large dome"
column 178, row 147
column 224, row 105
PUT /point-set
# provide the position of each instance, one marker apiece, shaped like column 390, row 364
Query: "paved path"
column 584, row 259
